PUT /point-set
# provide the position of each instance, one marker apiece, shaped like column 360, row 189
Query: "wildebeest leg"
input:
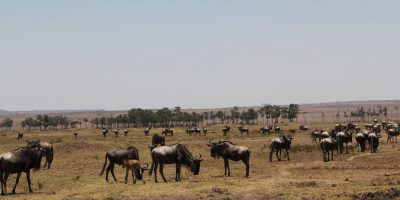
column 134, row 177
column 287, row 154
column 277, row 151
column 270, row 154
column 126, row 175
column 178, row 172
column 108, row 170
column 28, row 177
column 5, row 177
column 155, row 172
column 247, row 163
column 227, row 167
column 16, row 182
column 331, row 155
column 2, row 182
column 162, row 172
column 112, row 173
column 347, row 148
column 45, row 164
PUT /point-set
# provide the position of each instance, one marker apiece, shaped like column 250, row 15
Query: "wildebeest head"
column 215, row 148
column 35, row 156
column 140, row 171
column 33, row 143
column 195, row 165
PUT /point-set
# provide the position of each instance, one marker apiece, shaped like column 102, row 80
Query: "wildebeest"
column 48, row 150
column 20, row 136
column 116, row 156
column 204, row 131
column 158, row 140
column 104, row 131
column 228, row 151
column 76, row 134
column 226, row 129
column 265, row 130
column 279, row 143
column 126, row 132
column 304, row 128
column 136, row 168
column 328, row 144
column 116, row 132
column 373, row 140
column 344, row 137
column 277, row 129
column 243, row 130
column 361, row 139
column 392, row 134
column 147, row 131
column 168, row 132
column 21, row 160
column 176, row 153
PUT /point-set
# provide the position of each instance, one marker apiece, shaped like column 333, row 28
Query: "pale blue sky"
column 196, row 54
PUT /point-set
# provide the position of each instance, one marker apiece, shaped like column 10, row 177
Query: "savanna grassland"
column 77, row 163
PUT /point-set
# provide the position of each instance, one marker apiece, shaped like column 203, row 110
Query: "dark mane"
column 225, row 141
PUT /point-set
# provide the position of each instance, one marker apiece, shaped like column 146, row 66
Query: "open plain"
column 77, row 163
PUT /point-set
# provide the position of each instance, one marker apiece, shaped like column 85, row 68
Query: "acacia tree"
column 293, row 111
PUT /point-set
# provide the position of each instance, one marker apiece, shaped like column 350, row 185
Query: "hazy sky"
column 196, row 54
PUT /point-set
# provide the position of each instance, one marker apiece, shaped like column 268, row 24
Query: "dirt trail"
column 356, row 156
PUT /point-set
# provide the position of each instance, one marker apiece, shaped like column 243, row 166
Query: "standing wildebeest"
column 136, row 168
column 104, row 131
column 158, row 140
column 328, row 144
column 76, row 134
column 228, row 151
column 243, row 130
column 176, row 153
column 392, row 133
column 344, row 137
column 277, row 129
column 116, row 132
column 279, row 143
column 226, row 129
column 116, row 156
column 48, row 150
column 147, row 131
column 126, row 132
column 20, row 136
column 204, row 131
column 21, row 160
column 373, row 140
column 168, row 132
column 361, row 139
column 265, row 130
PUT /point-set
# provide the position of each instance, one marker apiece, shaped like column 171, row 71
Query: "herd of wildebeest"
column 339, row 138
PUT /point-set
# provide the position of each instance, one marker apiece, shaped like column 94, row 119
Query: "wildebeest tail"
column 104, row 166
column 152, row 164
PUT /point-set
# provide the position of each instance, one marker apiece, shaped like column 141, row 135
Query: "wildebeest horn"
column 200, row 156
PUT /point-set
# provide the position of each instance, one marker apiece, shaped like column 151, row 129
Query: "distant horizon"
column 192, row 108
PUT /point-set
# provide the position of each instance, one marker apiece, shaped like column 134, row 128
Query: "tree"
column 276, row 113
column 235, row 114
column 293, row 111
column 220, row 115
column 8, row 123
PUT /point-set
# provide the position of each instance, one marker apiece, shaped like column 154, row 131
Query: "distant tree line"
column 7, row 123
column 46, row 122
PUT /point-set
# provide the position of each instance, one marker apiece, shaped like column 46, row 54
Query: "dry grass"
column 77, row 163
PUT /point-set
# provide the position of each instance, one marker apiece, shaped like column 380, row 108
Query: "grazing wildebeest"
column 176, row 153
column 147, row 131
column 277, row 129
column 105, row 131
column 279, row 143
column 226, row 129
column 373, row 140
column 265, row 130
column 344, row 137
column 76, row 135
column 158, row 140
column 21, row 160
column 168, row 132
column 228, row 151
column 361, row 139
column 328, row 144
column 392, row 134
column 48, row 150
column 20, row 136
column 136, row 168
column 204, row 131
column 243, row 130
column 116, row 156
column 116, row 132
column 304, row 128
column 126, row 132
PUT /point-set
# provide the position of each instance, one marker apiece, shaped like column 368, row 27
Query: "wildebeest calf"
column 116, row 156
column 136, row 168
